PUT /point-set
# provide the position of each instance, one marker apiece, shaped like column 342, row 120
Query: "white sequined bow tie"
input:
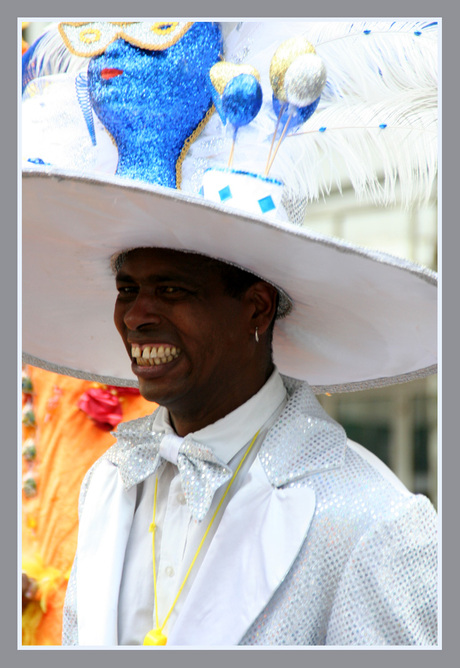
column 138, row 456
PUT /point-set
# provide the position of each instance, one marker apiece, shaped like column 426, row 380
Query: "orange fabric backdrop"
column 67, row 443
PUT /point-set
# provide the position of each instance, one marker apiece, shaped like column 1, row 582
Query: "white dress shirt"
column 178, row 535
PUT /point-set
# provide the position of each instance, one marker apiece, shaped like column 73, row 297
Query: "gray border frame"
column 449, row 13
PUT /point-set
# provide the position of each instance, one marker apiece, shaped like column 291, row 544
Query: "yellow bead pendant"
column 155, row 637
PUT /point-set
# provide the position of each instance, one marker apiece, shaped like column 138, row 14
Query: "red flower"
column 103, row 406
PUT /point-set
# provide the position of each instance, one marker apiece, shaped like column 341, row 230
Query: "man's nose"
column 142, row 311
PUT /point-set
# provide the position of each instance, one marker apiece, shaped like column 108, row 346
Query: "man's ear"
column 263, row 298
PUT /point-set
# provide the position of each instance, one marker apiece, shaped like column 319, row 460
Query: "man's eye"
column 172, row 290
column 126, row 289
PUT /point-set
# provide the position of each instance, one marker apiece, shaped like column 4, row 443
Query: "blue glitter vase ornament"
column 152, row 102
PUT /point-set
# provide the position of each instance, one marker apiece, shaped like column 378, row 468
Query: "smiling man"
column 238, row 513
column 192, row 342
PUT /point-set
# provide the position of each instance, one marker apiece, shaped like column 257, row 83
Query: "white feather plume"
column 379, row 111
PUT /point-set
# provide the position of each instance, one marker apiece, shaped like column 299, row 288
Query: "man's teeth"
column 152, row 355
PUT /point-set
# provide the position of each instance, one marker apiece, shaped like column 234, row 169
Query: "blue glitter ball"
column 241, row 99
column 301, row 113
column 152, row 101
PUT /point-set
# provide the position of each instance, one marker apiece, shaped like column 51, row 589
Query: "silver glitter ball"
column 305, row 80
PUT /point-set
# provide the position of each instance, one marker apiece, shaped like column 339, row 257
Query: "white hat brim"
column 359, row 319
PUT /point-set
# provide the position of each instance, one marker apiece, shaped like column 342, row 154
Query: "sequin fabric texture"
column 366, row 574
column 151, row 102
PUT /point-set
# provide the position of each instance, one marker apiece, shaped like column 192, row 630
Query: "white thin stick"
column 280, row 113
column 230, row 160
column 279, row 143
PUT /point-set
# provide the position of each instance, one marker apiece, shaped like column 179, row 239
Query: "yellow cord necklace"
column 156, row 635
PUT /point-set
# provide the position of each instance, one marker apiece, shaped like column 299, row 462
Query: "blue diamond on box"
column 225, row 194
column 266, row 204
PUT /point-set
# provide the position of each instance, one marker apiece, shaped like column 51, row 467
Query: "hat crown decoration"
column 376, row 94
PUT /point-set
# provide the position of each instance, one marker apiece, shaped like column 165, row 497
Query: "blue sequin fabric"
column 366, row 574
column 151, row 102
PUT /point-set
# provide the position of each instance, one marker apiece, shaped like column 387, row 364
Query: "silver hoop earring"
column 256, row 335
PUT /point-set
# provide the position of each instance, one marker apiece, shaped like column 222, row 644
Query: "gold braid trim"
column 188, row 142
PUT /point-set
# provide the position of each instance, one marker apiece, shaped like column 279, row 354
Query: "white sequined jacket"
column 331, row 550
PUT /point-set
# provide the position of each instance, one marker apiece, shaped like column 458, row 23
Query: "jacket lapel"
column 108, row 513
column 258, row 538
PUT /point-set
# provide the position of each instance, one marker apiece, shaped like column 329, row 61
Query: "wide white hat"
column 357, row 319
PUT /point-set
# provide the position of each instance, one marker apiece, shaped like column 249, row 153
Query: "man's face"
column 188, row 340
